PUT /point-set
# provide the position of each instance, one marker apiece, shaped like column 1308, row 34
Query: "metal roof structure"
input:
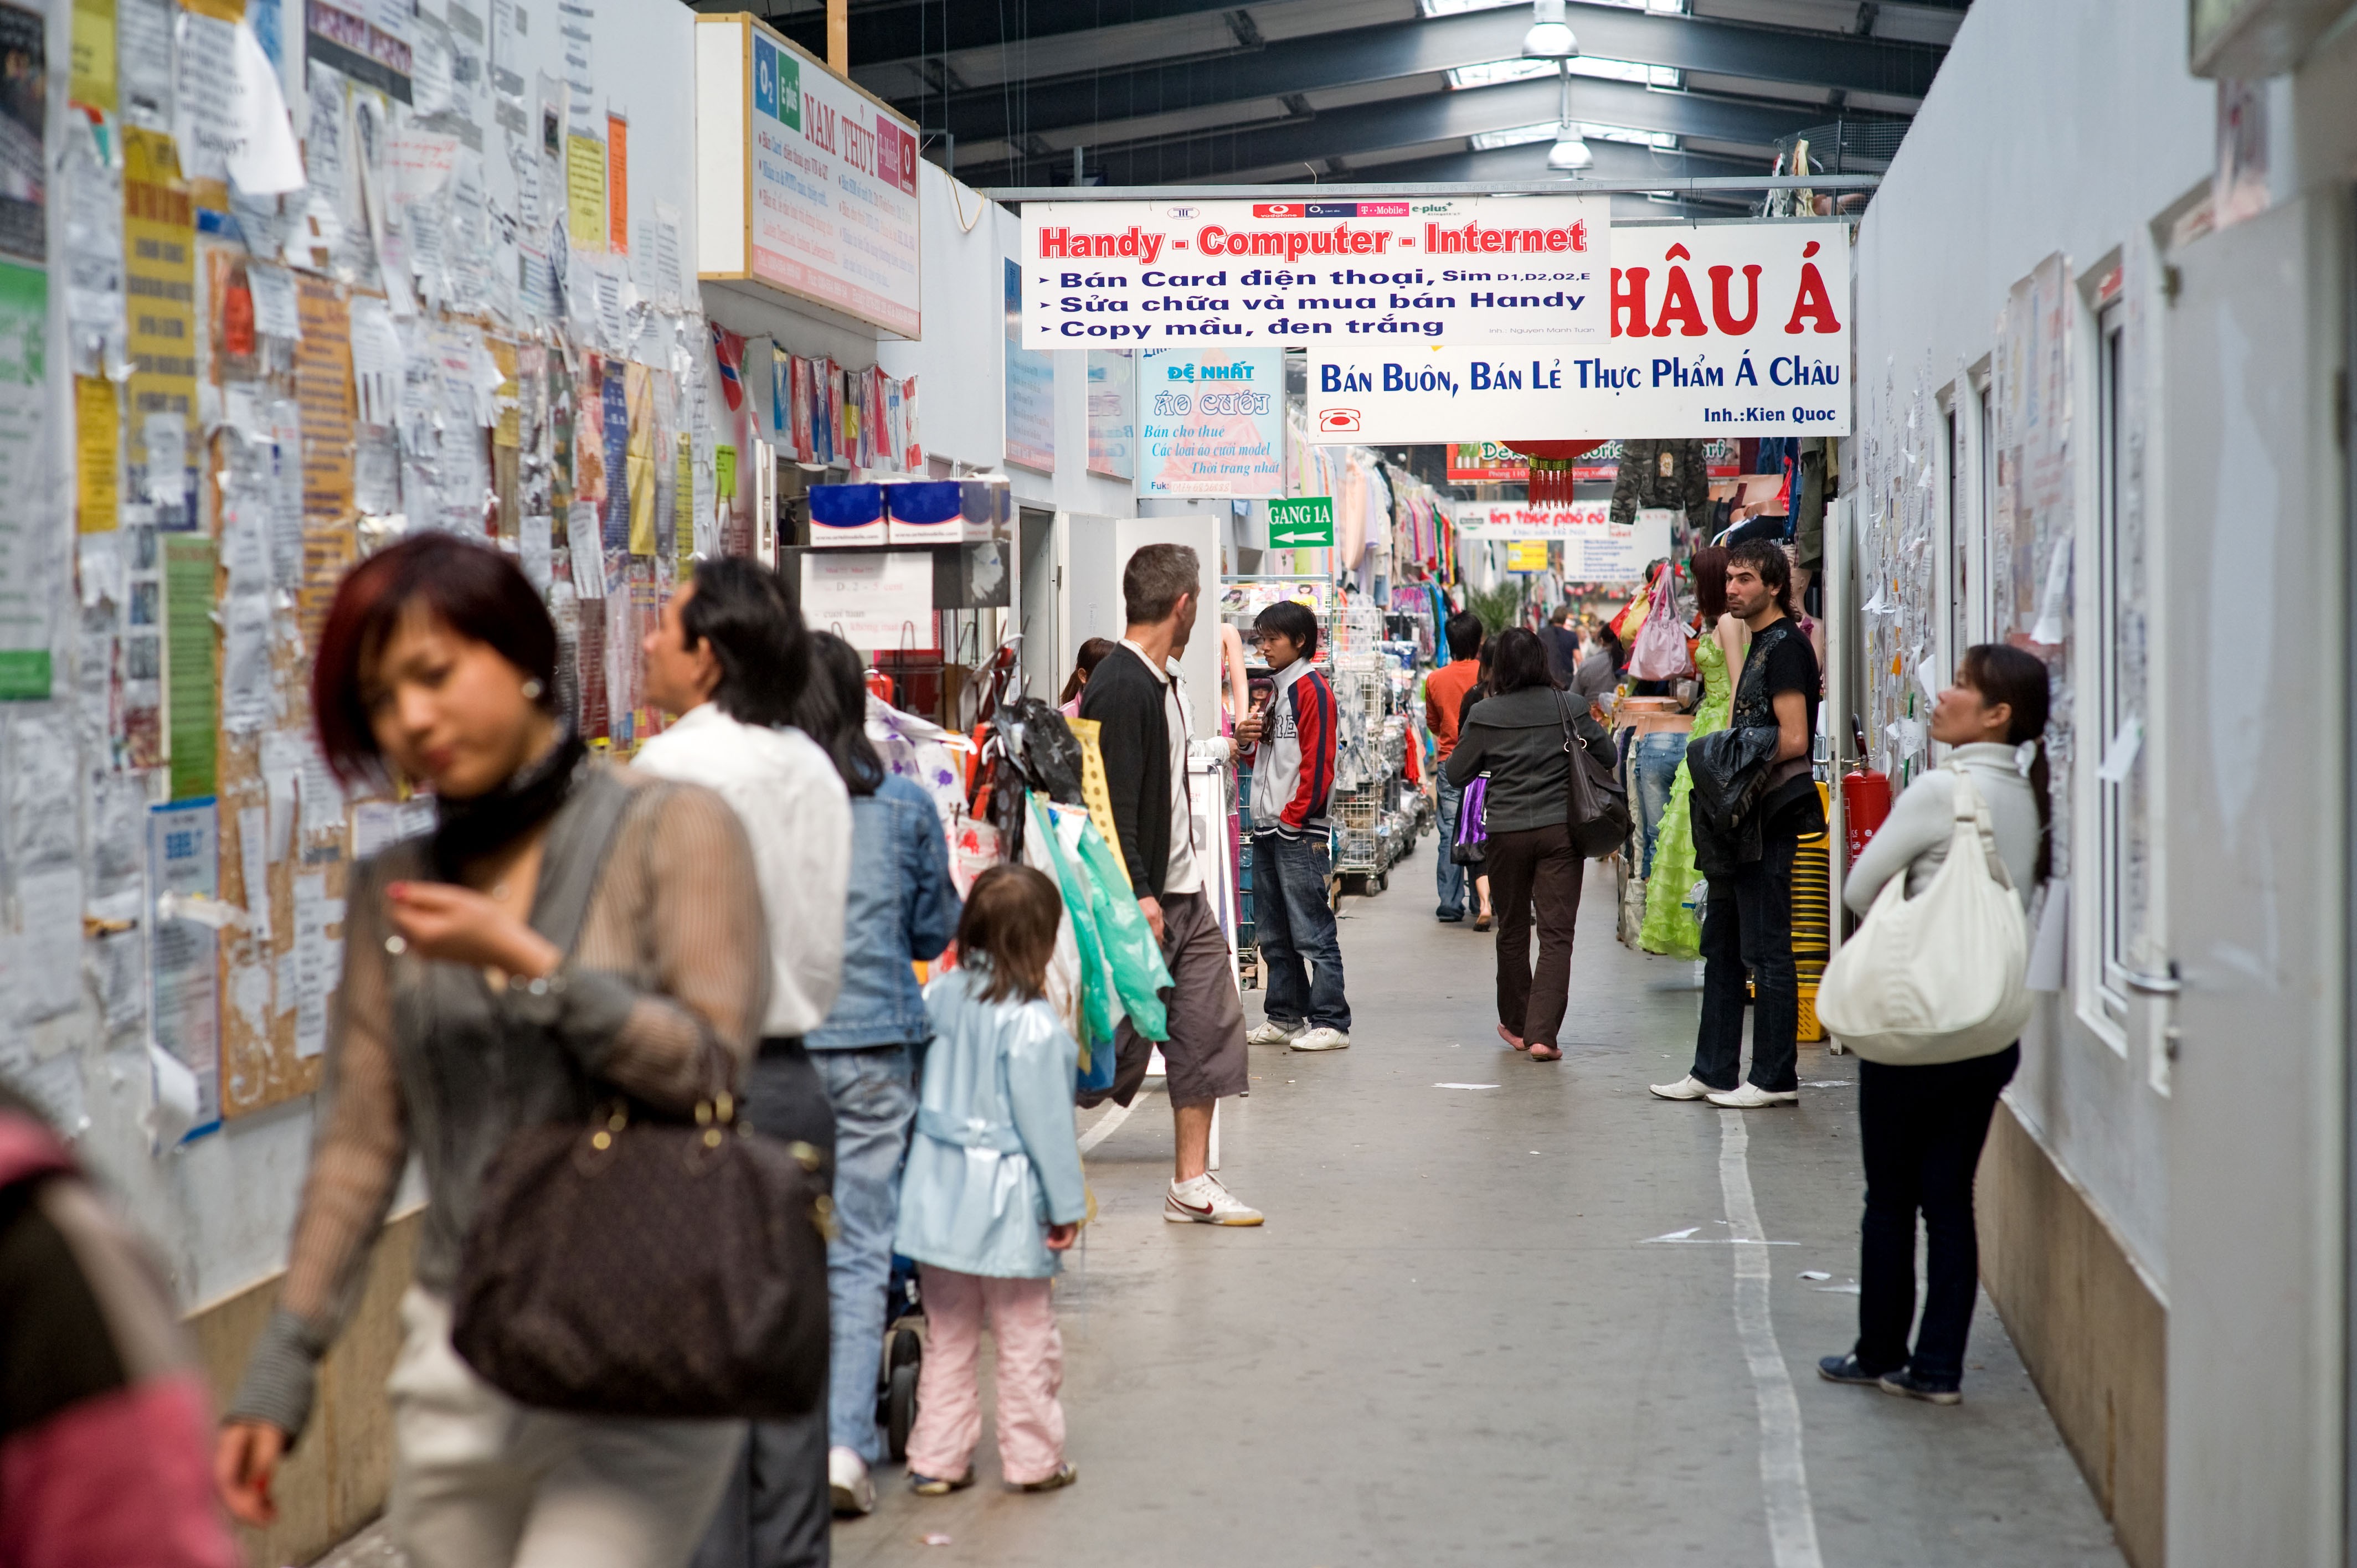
column 1302, row 91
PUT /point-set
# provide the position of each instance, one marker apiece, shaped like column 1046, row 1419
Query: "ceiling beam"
column 1441, row 43
column 905, row 29
column 1350, row 134
column 1615, row 161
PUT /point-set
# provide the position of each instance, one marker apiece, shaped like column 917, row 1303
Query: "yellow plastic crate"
column 1810, row 1029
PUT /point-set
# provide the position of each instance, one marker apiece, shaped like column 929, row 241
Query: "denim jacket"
column 901, row 907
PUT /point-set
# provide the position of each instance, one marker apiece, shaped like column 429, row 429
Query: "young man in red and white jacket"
column 1291, row 739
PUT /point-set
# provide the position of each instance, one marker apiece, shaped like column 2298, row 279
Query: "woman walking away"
column 994, row 1192
column 458, row 1022
column 1516, row 734
column 1920, row 1128
column 902, row 909
column 1485, row 912
column 1093, row 654
column 1670, row 926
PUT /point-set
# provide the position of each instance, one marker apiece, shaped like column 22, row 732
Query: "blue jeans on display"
column 1448, row 874
column 1293, row 922
column 1654, row 764
column 873, row 1092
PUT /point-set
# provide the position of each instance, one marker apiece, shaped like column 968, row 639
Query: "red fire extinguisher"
column 1865, row 805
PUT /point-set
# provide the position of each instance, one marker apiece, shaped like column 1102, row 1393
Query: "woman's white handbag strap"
column 1970, row 808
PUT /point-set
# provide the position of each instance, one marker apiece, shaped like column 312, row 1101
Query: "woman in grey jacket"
column 1515, row 736
column 1920, row 1128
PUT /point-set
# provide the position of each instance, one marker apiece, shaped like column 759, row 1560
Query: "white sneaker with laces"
column 1751, row 1096
column 1322, row 1039
column 1272, row 1033
column 1203, row 1201
column 1687, row 1087
column 849, row 1489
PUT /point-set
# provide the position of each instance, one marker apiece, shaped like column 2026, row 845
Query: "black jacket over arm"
column 1124, row 697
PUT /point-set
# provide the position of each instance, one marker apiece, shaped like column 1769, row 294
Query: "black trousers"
column 1746, row 932
column 1534, row 869
column 776, row 1513
column 1921, row 1129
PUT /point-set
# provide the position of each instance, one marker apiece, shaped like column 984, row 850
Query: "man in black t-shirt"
column 1746, row 925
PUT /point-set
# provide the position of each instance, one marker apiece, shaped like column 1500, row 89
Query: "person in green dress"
column 1670, row 927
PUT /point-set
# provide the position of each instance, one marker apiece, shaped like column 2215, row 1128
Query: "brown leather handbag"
column 641, row 1266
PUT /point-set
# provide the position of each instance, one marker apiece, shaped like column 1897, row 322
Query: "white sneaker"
column 1687, row 1087
column 1204, row 1202
column 1751, row 1096
column 1272, row 1033
column 1322, row 1039
column 847, row 1484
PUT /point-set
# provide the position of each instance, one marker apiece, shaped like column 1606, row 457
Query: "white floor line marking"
column 1109, row 1123
column 1783, row 1478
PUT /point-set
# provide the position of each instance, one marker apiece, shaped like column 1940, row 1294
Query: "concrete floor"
column 1454, row 1342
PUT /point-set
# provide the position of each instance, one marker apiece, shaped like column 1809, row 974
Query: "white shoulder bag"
column 1938, row 977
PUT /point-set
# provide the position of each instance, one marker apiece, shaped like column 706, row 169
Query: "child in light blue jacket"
column 994, row 1191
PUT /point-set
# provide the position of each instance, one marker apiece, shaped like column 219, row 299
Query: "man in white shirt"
column 729, row 657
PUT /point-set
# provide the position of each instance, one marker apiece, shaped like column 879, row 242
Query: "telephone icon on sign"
column 1333, row 420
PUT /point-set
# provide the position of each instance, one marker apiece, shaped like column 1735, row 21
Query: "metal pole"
column 838, row 38
column 1672, row 184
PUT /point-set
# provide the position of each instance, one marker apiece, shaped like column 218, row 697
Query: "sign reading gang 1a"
column 1341, row 274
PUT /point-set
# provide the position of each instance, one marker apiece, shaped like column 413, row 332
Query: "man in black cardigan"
column 1138, row 696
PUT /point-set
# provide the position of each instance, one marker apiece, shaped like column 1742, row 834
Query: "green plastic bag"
column 1097, row 1001
column 1139, row 972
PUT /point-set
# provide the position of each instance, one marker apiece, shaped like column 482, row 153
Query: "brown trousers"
column 1534, row 867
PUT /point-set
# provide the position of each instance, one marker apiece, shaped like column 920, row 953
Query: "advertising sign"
column 1493, row 463
column 1212, row 421
column 1596, row 548
column 871, row 599
column 1030, row 394
column 1341, row 274
column 832, row 203
column 1307, row 523
column 1112, row 413
column 1726, row 330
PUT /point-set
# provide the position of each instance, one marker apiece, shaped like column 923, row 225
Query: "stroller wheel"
column 901, row 1408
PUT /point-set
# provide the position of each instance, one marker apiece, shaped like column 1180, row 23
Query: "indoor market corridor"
column 1492, row 1325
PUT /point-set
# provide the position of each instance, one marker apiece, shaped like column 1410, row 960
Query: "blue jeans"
column 873, row 1092
column 1293, row 922
column 1654, row 764
column 1448, row 874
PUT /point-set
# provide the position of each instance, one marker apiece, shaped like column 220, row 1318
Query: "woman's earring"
column 532, row 688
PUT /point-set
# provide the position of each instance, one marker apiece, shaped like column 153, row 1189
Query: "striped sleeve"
column 1313, row 721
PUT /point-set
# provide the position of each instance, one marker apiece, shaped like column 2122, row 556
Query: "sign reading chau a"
column 1341, row 273
column 1726, row 330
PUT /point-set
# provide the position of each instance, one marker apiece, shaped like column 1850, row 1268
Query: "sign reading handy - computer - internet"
column 1352, row 277
column 1725, row 329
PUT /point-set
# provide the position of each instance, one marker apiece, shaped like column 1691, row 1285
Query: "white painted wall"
column 2048, row 128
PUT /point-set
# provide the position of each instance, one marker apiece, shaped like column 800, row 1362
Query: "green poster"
column 36, row 525
column 191, row 721
column 1307, row 523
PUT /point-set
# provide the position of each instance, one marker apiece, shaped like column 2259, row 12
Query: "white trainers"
column 1751, row 1096
column 849, row 1488
column 1272, row 1033
column 1322, row 1039
column 1204, row 1202
column 1687, row 1087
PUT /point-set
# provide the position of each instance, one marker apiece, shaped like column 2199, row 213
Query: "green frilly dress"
column 1670, row 927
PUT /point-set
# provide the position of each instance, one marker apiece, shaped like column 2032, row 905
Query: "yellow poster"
column 159, row 265
column 98, row 453
column 585, row 192
column 683, row 506
column 1526, row 556
column 638, row 457
column 509, row 431
column 92, row 78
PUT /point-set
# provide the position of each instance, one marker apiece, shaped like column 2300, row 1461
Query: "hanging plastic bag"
column 1098, row 1002
column 1662, row 652
column 1135, row 958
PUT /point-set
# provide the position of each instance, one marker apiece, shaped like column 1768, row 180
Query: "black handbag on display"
column 1596, row 811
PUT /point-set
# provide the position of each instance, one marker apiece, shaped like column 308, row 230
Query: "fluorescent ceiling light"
column 1458, row 7
column 1490, row 73
column 1522, row 135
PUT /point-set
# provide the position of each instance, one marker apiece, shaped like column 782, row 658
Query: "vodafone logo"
column 1337, row 420
column 1278, row 210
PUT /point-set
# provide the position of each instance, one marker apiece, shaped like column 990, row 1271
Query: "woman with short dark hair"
column 1516, row 735
column 459, row 1021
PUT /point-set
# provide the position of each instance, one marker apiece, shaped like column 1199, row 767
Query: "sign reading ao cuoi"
column 1728, row 329
column 1210, row 422
column 1479, row 269
column 1596, row 548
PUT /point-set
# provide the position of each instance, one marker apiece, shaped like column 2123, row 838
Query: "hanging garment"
column 1670, row 927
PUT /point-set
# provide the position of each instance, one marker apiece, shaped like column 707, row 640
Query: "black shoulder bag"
column 1598, row 806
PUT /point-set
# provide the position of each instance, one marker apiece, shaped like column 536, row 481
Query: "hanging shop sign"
column 1307, row 523
column 1210, row 422
column 1494, row 463
column 1724, row 330
column 871, row 599
column 1596, row 548
column 1112, row 413
column 1341, row 273
column 1527, row 554
column 1030, row 391
column 805, row 182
